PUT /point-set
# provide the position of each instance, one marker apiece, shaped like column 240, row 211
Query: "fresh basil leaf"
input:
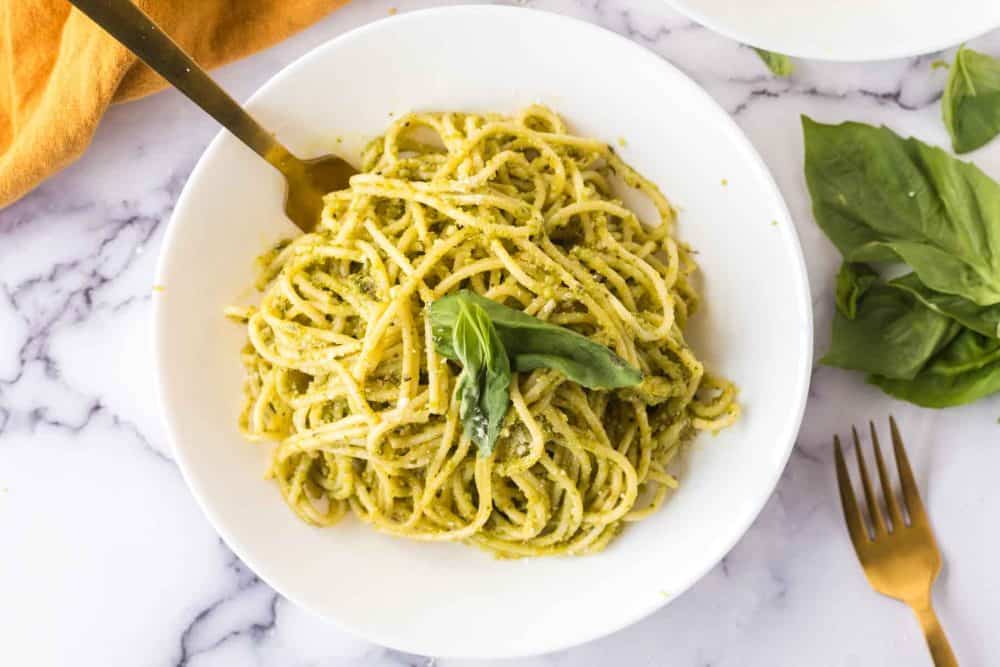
column 892, row 334
column 853, row 280
column 971, row 102
column 533, row 343
column 879, row 197
column 969, row 351
column 965, row 371
column 854, row 173
column 484, row 383
column 780, row 65
column 982, row 319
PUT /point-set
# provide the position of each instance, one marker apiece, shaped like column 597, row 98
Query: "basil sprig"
column 931, row 337
column 970, row 105
column 490, row 339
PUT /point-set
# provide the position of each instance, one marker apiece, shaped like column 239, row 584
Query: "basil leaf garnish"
column 484, row 383
column 533, row 343
column 489, row 339
column 970, row 105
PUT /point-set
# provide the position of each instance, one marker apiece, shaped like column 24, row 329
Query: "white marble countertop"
column 106, row 560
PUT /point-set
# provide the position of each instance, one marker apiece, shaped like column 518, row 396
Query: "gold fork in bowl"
column 900, row 558
column 306, row 181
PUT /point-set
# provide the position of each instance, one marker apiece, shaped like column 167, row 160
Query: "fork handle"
column 937, row 642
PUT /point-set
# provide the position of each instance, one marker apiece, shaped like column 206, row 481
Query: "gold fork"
column 900, row 559
column 306, row 181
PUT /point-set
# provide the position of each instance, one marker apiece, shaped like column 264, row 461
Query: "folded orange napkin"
column 59, row 72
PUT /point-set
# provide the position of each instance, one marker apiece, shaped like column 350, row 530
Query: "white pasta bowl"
column 755, row 327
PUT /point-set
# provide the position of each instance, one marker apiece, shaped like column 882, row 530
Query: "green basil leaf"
column 533, row 343
column 982, row 319
column 879, row 197
column 965, row 371
column 484, row 383
column 971, row 102
column 969, row 351
column 780, row 65
column 892, row 334
column 853, row 280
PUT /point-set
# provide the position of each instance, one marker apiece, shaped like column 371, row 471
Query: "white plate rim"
column 740, row 143
column 870, row 53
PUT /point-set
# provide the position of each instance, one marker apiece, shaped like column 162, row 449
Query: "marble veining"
column 107, row 560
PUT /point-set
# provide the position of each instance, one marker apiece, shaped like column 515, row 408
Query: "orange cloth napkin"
column 59, row 72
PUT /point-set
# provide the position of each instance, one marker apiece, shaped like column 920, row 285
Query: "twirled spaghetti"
column 342, row 373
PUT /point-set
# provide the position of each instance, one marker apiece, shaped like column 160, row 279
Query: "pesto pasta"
column 342, row 372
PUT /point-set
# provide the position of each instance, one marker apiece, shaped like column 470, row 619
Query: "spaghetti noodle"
column 343, row 374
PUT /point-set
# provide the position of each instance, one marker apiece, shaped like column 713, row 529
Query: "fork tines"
column 912, row 504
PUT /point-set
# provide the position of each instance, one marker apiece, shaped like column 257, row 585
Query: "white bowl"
column 846, row 30
column 756, row 327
